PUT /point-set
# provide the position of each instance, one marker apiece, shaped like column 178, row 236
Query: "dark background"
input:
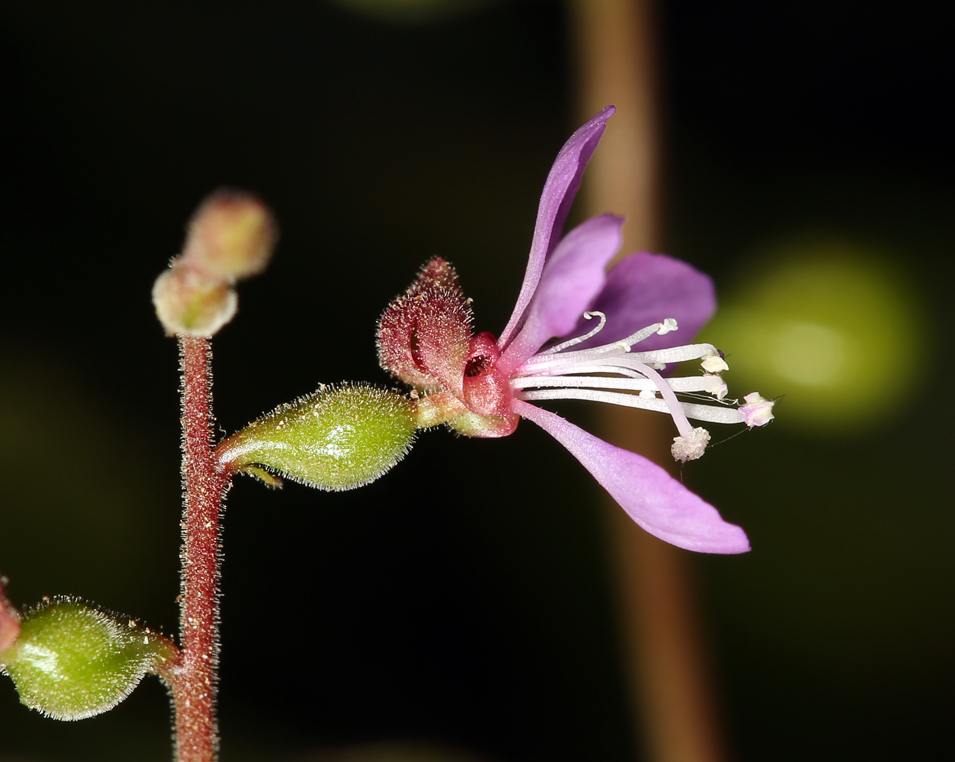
column 464, row 598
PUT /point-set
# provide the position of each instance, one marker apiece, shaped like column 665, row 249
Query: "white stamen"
column 545, row 359
column 681, row 384
column 677, row 354
column 698, row 412
column 614, row 374
column 580, row 339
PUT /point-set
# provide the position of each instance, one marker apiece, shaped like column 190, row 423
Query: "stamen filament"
column 637, row 384
column 580, row 339
column 708, row 413
column 612, row 373
column 676, row 412
column 677, row 354
column 544, row 360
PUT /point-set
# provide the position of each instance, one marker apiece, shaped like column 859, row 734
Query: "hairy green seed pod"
column 73, row 660
column 338, row 438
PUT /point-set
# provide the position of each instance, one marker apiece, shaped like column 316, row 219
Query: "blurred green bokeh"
column 840, row 332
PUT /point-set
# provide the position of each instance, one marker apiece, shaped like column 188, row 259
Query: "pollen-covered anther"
column 757, row 411
column 715, row 386
column 690, row 446
column 668, row 326
column 713, row 363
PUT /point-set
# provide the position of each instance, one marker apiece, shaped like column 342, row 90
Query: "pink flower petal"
column 648, row 288
column 651, row 497
column 559, row 191
column 575, row 273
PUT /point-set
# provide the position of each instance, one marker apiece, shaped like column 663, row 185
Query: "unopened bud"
column 190, row 303
column 231, row 236
column 338, row 438
column 73, row 660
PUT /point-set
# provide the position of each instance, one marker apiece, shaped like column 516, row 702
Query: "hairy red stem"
column 194, row 682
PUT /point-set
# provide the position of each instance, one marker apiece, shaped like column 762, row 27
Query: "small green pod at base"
column 339, row 438
column 73, row 660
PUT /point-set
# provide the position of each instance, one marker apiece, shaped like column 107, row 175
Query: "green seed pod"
column 338, row 438
column 73, row 660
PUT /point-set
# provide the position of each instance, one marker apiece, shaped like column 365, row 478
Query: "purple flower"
column 482, row 386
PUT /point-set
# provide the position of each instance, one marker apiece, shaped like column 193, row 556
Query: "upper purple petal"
column 574, row 274
column 651, row 497
column 559, row 191
column 648, row 288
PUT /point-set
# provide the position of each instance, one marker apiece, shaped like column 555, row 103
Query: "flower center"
column 486, row 390
column 477, row 366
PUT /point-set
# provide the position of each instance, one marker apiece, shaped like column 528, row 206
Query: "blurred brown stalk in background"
column 672, row 697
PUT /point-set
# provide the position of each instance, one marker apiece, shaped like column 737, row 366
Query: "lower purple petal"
column 648, row 288
column 649, row 495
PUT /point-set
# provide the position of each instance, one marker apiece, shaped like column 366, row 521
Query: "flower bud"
column 424, row 334
column 231, row 236
column 73, row 660
column 338, row 438
column 190, row 303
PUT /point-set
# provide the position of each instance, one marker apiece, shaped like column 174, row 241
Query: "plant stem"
column 194, row 684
